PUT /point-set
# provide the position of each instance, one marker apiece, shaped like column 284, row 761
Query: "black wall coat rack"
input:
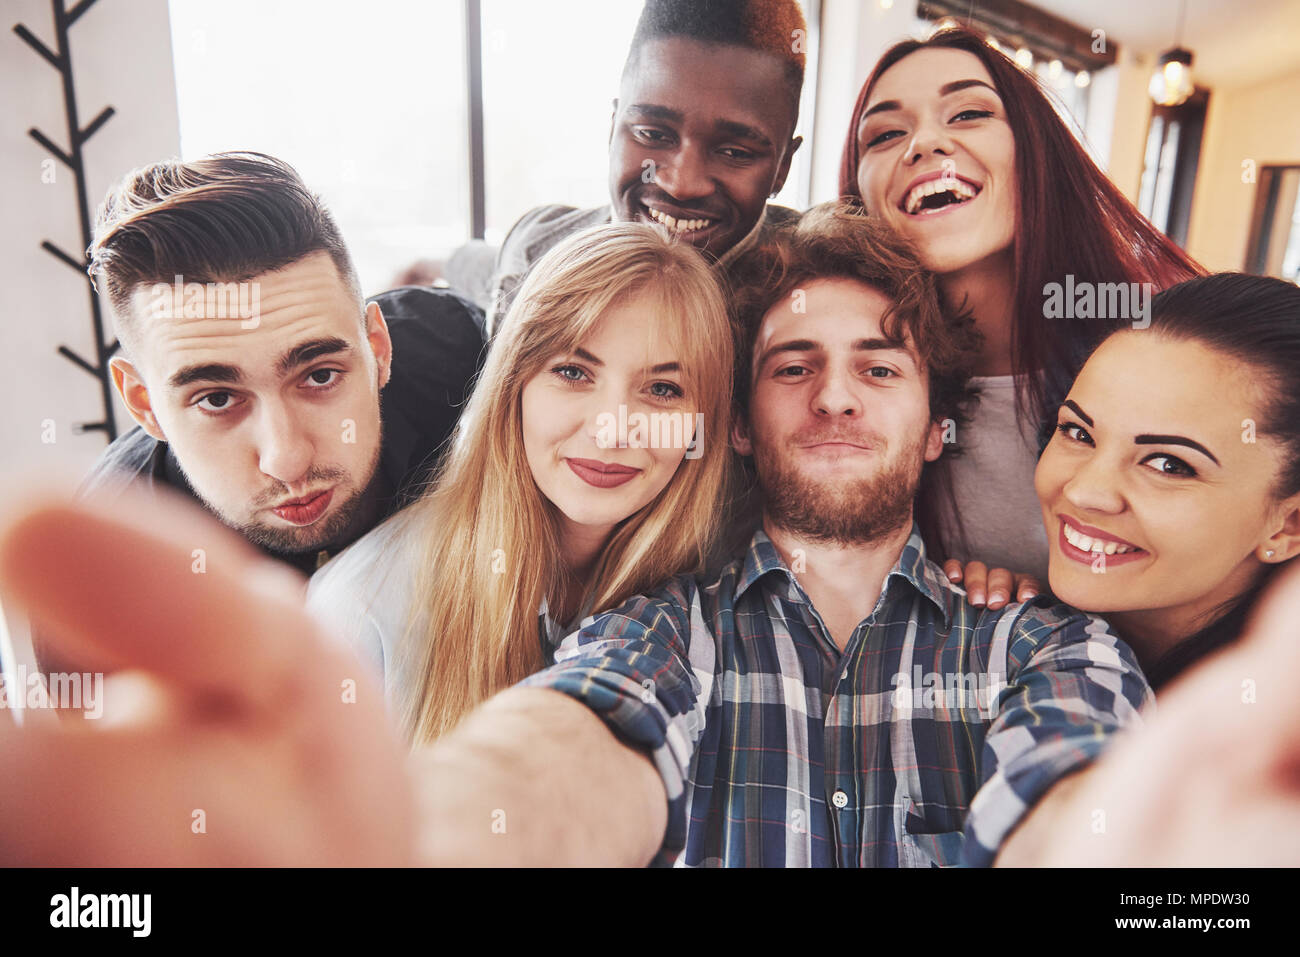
column 72, row 158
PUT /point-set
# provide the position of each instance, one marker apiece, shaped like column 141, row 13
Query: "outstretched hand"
column 1212, row 779
column 236, row 734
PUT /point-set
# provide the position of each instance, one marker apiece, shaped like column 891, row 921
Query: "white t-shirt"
column 993, row 484
column 364, row 595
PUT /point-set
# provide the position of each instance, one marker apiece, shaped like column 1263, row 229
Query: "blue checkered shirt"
column 923, row 743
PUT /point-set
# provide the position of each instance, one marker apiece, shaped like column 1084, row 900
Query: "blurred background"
column 427, row 124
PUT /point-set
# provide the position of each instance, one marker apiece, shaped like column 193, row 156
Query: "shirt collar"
column 912, row 567
column 749, row 240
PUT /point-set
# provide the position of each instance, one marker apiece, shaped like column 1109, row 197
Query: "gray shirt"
column 541, row 228
column 993, row 484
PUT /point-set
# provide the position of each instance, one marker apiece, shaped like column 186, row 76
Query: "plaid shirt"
column 923, row 743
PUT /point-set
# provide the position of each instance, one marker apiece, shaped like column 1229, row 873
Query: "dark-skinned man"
column 702, row 134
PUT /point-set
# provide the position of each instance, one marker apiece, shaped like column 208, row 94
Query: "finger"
column 1000, row 586
column 135, row 698
column 976, row 583
column 72, row 798
column 1027, row 587
column 952, row 568
column 157, row 585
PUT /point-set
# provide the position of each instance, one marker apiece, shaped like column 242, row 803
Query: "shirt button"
column 839, row 799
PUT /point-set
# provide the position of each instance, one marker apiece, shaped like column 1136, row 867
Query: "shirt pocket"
column 927, row 839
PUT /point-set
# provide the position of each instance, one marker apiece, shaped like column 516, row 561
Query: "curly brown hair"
column 839, row 241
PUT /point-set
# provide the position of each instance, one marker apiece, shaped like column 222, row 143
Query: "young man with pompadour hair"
column 262, row 386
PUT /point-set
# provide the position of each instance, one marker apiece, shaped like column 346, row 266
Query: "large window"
column 367, row 101
column 371, row 103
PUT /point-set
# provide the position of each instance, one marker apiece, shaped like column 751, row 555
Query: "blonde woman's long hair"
column 491, row 538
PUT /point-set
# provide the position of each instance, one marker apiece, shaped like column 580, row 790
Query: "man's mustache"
column 809, row 437
column 279, row 491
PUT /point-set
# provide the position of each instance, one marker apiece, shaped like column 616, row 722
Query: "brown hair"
column 839, row 241
column 223, row 218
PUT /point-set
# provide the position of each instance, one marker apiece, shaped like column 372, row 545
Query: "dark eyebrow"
column 808, row 345
column 1072, row 405
column 947, row 89
column 209, row 372
column 957, row 85
column 742, row 131
column 734, row 128
column 790, row 345
column 584, row 354
column 665, row 367
column 1175, row 440
column 653, row 112
column 1149, row 439
column 877, row 345
column 884, row 106
column 305, row 352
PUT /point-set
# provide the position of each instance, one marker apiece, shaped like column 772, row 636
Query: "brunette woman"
column 1170, row 489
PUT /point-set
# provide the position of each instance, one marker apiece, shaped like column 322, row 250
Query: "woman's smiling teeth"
column 946, row 192
column 1086, row 543
column 679, row 225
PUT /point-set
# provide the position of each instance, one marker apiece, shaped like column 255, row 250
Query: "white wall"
column 121, row 57
column 854, row 34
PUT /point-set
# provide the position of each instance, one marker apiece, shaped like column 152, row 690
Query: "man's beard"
column 853, row 511
column 306, row 538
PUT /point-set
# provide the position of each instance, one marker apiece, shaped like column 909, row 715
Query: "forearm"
column 534, row 778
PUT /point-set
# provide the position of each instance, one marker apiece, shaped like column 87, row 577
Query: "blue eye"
column 573, row 375
column 673, row 391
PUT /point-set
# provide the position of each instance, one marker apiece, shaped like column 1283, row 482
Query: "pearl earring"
column 1269, row 553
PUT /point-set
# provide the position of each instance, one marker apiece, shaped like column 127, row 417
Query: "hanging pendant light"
column 1171, row 84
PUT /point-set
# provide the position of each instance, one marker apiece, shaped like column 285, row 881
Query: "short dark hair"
column 223, row 218
column 838, row 241
column 768, row 26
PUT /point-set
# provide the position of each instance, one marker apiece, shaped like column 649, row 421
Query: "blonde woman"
column 590, row 464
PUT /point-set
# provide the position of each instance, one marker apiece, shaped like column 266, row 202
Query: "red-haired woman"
column 960, row 150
